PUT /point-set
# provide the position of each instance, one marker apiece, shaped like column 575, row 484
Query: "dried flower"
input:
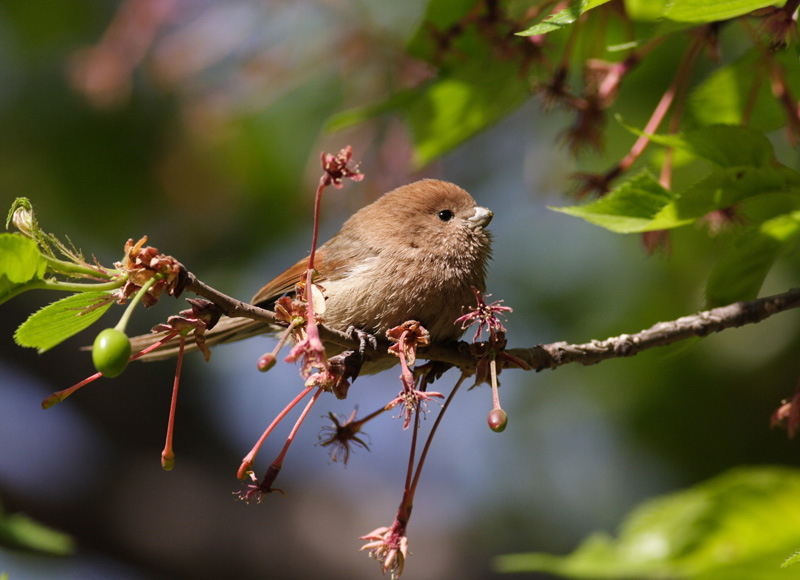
column 258, row 490
column 722, row 219
column 485, row 315
column 587, row 130
column 780, row 26
column 656, row 240
column 389, row 546
column 787, row 415
column 337, row 168
column 341, row 435
column 202, row 316
column 407, row 337
column 310, row 353
column 411, row 399
column 141, row 263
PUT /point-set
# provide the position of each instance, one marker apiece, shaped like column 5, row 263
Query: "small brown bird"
column 414, row 254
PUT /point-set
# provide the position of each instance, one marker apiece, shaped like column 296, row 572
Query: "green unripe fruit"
column 111, row 352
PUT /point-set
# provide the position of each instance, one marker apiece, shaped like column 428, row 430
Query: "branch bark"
column 553, row 355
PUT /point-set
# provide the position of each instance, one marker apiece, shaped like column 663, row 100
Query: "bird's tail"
column 226, row 330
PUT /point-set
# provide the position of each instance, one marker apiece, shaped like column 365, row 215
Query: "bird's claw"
column 363, row 338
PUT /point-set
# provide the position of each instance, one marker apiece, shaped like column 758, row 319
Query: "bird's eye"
column 445, row 215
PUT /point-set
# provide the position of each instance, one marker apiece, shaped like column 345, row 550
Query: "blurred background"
column 199, row 123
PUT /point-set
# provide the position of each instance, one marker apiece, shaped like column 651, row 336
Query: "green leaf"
column 440, row 17
column 473, row 90
column 58, row 321
column 741, row 272
column 642, row 205
column 739, row 92
column 737, row 526
column 21, row 264
column 448, row 111
column 723, row 188
column 20, row 259
column 791, row 560
column 701, row 11
column 563, row 18
column 19, row 531
column 723, row 145
column 645, row 10
column 631, row 207
column 345, row 119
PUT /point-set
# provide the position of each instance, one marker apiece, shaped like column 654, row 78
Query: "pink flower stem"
column 311, row 324
column 411, row 456
column 495, row 394
column 320, row 189
column 168, row 455
column 278, row 461
column 659, row 112
column 59, row 396
column 424, row 454
column 155, row 345
column 682, row 84
column 247, row 462
column 403, row 362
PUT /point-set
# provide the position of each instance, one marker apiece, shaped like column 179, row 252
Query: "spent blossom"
column 341, row 435
column 407, row 337
column 787, row 415
column 202, row 316
column 337, row 168
column 141, row 263
column 389, row 546
column 485, row 315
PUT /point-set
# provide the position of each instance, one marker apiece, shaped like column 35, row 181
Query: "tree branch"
column 550, row 356
column 545, row 356
column 230, row 306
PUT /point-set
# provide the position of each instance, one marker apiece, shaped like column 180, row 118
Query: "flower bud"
column 24, row 221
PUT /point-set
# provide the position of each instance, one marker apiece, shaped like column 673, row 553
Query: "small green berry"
column 497, row 420
column 111, row 352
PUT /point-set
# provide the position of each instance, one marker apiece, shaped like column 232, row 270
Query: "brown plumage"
column 414, row 254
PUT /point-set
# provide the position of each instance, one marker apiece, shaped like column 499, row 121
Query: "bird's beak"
column 481, row 218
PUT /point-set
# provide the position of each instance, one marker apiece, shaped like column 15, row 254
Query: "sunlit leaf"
column 641, row 204
column 58, row 321
column 723, row 145
column 741, row 272
column 738, row 526
column 791, row 560
column 563, row 18
column 645, row 9
column 629, row 208
column 700, row 11
column 467, row 100
column 20, row 259
column 740, row 92
column 723, row 188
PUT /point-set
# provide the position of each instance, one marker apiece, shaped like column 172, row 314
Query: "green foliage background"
column 217, row 164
